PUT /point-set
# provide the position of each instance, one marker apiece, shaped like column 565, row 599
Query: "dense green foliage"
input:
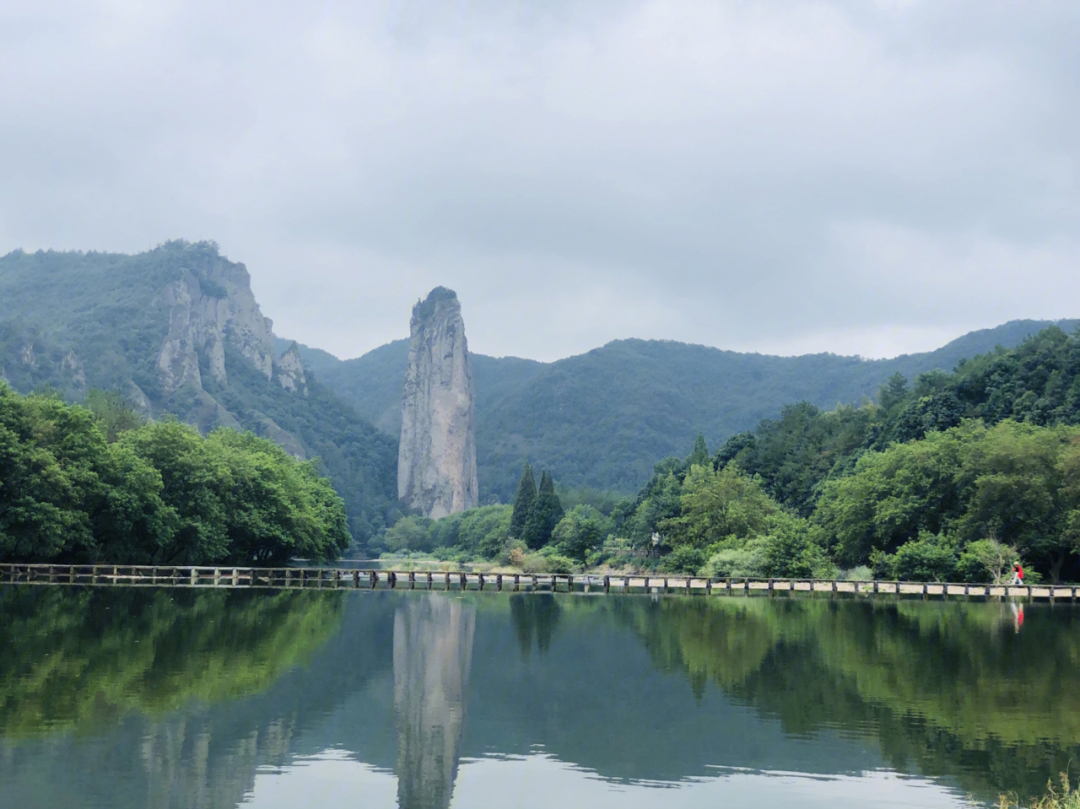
column 562, row 539
column 602, row 419
column 913, row 484
column 953, row 478
column 160, row 493
column 74, row 321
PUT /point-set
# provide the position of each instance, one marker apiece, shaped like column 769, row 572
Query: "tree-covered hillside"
column 602, row 419
column 956, row 477
column 177, row 330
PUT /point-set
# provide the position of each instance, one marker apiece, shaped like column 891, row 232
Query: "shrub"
column 929, row 558
column 683, row 559
column 748, row 561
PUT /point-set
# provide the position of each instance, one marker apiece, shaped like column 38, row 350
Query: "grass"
column 1063, row 797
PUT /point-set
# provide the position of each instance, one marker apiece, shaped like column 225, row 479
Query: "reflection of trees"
column 535, row 617
column 73, row 658
column 433, row 639
column 946, row 687
column 719, row 640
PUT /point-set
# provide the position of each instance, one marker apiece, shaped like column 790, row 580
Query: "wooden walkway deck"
column 340, row 578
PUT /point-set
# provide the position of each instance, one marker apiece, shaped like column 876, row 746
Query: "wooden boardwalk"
column 341, row 578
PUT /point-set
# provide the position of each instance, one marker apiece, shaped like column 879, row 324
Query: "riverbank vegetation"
column 87, row 484
column 954, row 477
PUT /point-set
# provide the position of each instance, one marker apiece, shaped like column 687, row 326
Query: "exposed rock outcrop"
column 70, row 363
column 289, row 370
column 205, row 311
column 437, row 452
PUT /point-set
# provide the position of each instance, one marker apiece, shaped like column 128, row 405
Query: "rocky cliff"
column 437, row 451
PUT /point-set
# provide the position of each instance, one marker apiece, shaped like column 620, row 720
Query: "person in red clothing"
column 1018, row 574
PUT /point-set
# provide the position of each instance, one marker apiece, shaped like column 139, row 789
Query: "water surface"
column 123, row 697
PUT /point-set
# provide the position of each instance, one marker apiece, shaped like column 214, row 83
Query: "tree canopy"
column 159, row 493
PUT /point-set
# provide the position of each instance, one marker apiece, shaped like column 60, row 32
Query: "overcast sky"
column 859, row 177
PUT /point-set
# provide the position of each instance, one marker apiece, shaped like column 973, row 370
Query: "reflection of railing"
column 318, row 577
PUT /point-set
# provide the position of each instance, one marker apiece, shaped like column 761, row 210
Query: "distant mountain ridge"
column 603, row 418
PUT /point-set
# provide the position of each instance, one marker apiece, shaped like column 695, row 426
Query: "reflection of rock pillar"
column 433, row 638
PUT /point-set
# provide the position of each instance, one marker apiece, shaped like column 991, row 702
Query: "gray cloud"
column 862, row 177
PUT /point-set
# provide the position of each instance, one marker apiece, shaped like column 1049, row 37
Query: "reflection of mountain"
column 627, row 688
column 433, row 639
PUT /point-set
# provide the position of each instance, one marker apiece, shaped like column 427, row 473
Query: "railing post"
column 607, row 584
column 498, row 582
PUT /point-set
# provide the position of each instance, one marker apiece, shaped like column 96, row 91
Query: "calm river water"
column 174, row 698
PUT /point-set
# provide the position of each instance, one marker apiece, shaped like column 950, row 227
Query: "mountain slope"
column 603, row 418
column 177, row 330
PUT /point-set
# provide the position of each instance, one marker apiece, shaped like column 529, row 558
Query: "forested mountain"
column 177, row 330
column 603, row 418
column 953, row 478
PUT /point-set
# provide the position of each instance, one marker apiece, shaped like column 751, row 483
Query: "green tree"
column 700, row 455
column 893, row 495
column 523, row 503
column 583, row 529
column 545, row 514
column 893, row 392
column 411, row 533
column 718, row 506
column 1024, row 488
column 113, row 412
column 66, row 495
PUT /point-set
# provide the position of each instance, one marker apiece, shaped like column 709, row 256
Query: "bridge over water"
column 442, row 580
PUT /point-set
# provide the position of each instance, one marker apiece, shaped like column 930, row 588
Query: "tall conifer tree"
column 700, row 455
column 545, row 514
column 523, row 503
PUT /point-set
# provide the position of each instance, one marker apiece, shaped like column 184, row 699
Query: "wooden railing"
column 315, row 577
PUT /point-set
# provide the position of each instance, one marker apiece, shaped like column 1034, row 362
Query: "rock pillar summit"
column 437, row 453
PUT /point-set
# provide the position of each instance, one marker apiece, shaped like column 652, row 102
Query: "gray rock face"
column 437, row 453
column 289, row 370
column 204, row 312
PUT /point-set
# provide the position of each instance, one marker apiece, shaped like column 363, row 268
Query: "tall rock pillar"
column 437, row 453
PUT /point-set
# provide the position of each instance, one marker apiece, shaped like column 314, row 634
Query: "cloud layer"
column 778, row 175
